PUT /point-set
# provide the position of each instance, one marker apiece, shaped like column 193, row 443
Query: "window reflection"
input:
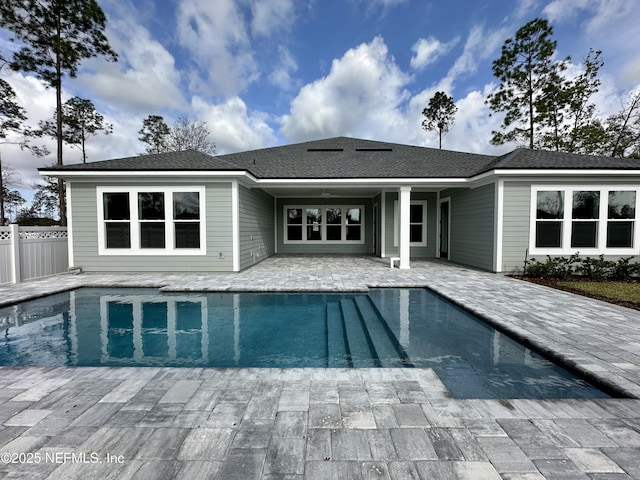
column 152, row 330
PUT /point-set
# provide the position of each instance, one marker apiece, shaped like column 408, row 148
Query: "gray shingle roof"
column 344, row 157
column 184, row 160
column 524, row 158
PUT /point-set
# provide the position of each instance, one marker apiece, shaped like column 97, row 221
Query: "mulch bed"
column 553, row 283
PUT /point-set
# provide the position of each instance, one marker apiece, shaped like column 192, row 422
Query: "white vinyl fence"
column 32, row 252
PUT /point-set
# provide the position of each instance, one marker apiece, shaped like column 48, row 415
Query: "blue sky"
column 271, row 72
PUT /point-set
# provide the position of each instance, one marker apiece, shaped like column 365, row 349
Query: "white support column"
column 15, row 253
column 69, row 227
column 404, row 203
column 235, row 225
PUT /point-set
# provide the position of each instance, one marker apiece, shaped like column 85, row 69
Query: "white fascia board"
column 246, row 177
column 558, row 173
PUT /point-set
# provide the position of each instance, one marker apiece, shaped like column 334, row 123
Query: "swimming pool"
column 384, row 328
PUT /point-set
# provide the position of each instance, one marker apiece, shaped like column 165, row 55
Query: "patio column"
column 404, row 202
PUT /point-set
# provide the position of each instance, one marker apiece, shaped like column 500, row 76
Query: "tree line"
column 542, row 106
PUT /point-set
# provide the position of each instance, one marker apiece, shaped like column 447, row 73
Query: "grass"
column 617, row 291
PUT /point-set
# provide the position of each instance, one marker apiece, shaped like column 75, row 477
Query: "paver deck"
column 103, row 422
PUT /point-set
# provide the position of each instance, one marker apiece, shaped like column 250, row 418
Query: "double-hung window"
column 417, row 223
column 329, row 224
column 621, row 218
column 117, row 220
column 151, row 221
column 588, row 220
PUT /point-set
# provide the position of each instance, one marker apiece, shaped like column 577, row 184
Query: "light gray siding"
column 218, row 235
column 515, row 225
column 256, row 223
column 429, row 251
column 329, row 248
column 472, row 225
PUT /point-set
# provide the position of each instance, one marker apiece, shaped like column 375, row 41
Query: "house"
column 187, row 211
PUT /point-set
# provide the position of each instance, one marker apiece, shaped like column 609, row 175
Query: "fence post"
column 15, row 252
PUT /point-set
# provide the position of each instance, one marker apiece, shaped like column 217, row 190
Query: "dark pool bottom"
column 385, row 328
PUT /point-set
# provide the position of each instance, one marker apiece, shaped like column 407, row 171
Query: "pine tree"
column 439, row 115
column 526, row 70
column 55, row 36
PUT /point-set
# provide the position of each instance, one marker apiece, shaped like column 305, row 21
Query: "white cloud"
column 604, row 13
column 474, row 124
column 39, row 104
column 270, row 16
column 361, row 96
column 480, row 45
column 281, row 76
column 428, row 50
column 232, row 126
column 525, row 8
column 609, row 25
column 216, row 36
column 387, row 3
column 145, row 77
column 471, row 130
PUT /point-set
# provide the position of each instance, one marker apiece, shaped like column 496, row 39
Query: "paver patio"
column 331, row 423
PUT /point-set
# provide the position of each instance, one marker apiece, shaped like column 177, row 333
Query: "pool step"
column 337, row 348
column 359, row 344
column 384, row 341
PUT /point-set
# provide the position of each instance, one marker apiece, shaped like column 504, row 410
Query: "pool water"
column 384, row 328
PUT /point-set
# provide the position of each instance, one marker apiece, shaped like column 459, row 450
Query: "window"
column 294, row 224
column 151, row 221
column 151, row 215
column 584, row 224
column 588, row 220
column 417, row 223
column 621, row 219
column 314, row 224
column 334, row 224
column 331, row 224
column 354, row 224
column 117, row 220
column 186, row 215
column 549, row 215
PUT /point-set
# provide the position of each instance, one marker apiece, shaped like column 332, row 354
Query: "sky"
column 263, row 73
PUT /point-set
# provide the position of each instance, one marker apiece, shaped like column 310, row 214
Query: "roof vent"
column 325, row 149
column 374, row 149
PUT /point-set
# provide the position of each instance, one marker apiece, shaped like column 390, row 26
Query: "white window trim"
column 323, row 225
column 134, row 222
column 566, row 248
column 396, row 224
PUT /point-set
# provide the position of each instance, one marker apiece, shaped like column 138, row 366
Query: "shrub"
column 595, row 268
column 591, row 268
column 556, row 267
column 534, row 268
column 623, row 269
